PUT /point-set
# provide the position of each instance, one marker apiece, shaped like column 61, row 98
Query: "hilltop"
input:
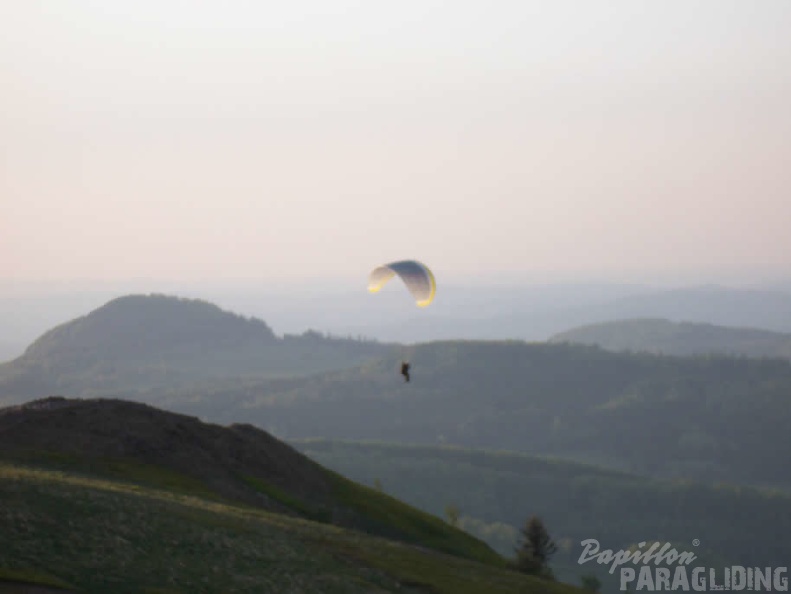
column 679, row 338
column 116, row 496
column 159, row 342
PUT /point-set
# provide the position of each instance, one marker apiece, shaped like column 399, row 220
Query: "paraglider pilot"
column 405, row 370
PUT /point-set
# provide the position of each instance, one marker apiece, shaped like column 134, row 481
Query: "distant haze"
column 261, row 142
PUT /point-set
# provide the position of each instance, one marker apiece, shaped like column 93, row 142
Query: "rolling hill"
column 705, row 418
column 157, row 341
column 112, row 495
column 679, row 338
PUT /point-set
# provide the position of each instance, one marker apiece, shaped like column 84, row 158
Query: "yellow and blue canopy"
column 415, row 275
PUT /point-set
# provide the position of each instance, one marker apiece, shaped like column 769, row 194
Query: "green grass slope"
column 136, row 443
column 679, row 338
column 96, row 535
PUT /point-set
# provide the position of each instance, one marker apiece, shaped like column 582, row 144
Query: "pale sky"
column 276, row 140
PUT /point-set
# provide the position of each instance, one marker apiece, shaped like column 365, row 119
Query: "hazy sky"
column 275, row 140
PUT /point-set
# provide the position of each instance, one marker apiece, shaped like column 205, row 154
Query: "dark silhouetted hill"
column 679, row 338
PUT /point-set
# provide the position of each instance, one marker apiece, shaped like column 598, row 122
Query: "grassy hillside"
column 239, row 464
column 495, row 492
column 94, row 535
column 679, row 338
column 104, row 495
column 156, row 342
column 705, row 418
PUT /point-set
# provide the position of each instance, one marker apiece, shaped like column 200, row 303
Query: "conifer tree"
column 535, row 549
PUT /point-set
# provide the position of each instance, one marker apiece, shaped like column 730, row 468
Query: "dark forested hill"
column 711, row 418
column 679, row 338
column 157, row 341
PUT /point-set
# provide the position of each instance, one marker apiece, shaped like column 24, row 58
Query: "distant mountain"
column 157, row 341
column 340, row 308
column 679, row 338
column 749, row 308
column 538, row 315
column 481, row 310
column 112, row 496
column 704, row 418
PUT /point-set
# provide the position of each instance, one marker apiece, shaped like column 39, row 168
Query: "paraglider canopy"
column 416, row 276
